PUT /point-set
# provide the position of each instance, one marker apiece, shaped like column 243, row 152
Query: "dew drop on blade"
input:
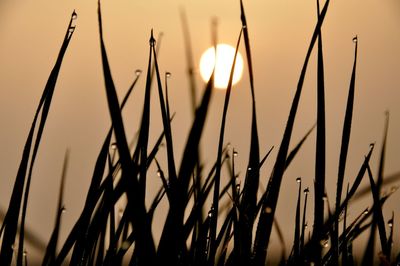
column 371, row 145
column 390, row 223
column 114, row 146
column 268, row 209
column 324, row 243
column 74, row 15
column 125, row 245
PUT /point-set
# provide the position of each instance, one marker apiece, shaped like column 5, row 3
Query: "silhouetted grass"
column 247, row 209
column 12, row 217
column 51, row 249
column 193, row 233
column 269, row 205
column 319, row 183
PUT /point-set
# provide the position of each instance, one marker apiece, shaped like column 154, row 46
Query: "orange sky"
column 32, row 31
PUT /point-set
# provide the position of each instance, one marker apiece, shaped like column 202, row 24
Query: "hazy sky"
column 31, row 34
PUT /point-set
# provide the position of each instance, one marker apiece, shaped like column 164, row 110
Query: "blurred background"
column 32, row 32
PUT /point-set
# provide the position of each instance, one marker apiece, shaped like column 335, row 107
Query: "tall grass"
column 21, row 188
column 236, row 229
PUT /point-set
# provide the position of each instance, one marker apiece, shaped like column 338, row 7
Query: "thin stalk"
column 320, row 152
column 345, row 145
column 215, row 204
column 264, row 227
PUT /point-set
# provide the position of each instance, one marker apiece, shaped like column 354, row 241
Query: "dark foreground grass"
column 233, row 233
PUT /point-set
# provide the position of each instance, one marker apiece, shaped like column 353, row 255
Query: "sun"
column 223, row 65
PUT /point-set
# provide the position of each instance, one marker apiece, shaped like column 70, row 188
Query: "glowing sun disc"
column 225, row 54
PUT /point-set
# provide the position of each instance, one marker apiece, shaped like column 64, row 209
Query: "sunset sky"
column 280, row 30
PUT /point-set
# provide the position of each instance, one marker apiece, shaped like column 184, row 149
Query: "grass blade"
column 266, row 219
column 281, row 240
column 345, row 144
column 114, row 107
column 94, row 189
column 248, row 204
column 214, row 217
column 77, row 232
column 265, row 157
column 191, row 71
column 344, row 249
column 51, row 250
column 248, row 51
column 390, row 238
column 10, row 224
column 129, row 92
column 50, row 87
column 304, row 223
column 160, row 173
column 157, row 199
column 361, row 227
column 386, row 181
column 296, row 242
column 145, row 243
column 346, row 128
column 368, row 257
column 171, row 239
column 166, row 123
column 378, row 216
column 329, row 223
column 196, row 212
column 108, row 199
column 202, row 244
column 12, row 216
column 190, row 62
column 296, row 149
column 379, row 182
column 290, row 157
column 142, row 145
column 156, row 146
column 356, row 183
column 355, row 229
column 224, row 229
column 228, row 237
column 319, row 185
column 249, row 198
